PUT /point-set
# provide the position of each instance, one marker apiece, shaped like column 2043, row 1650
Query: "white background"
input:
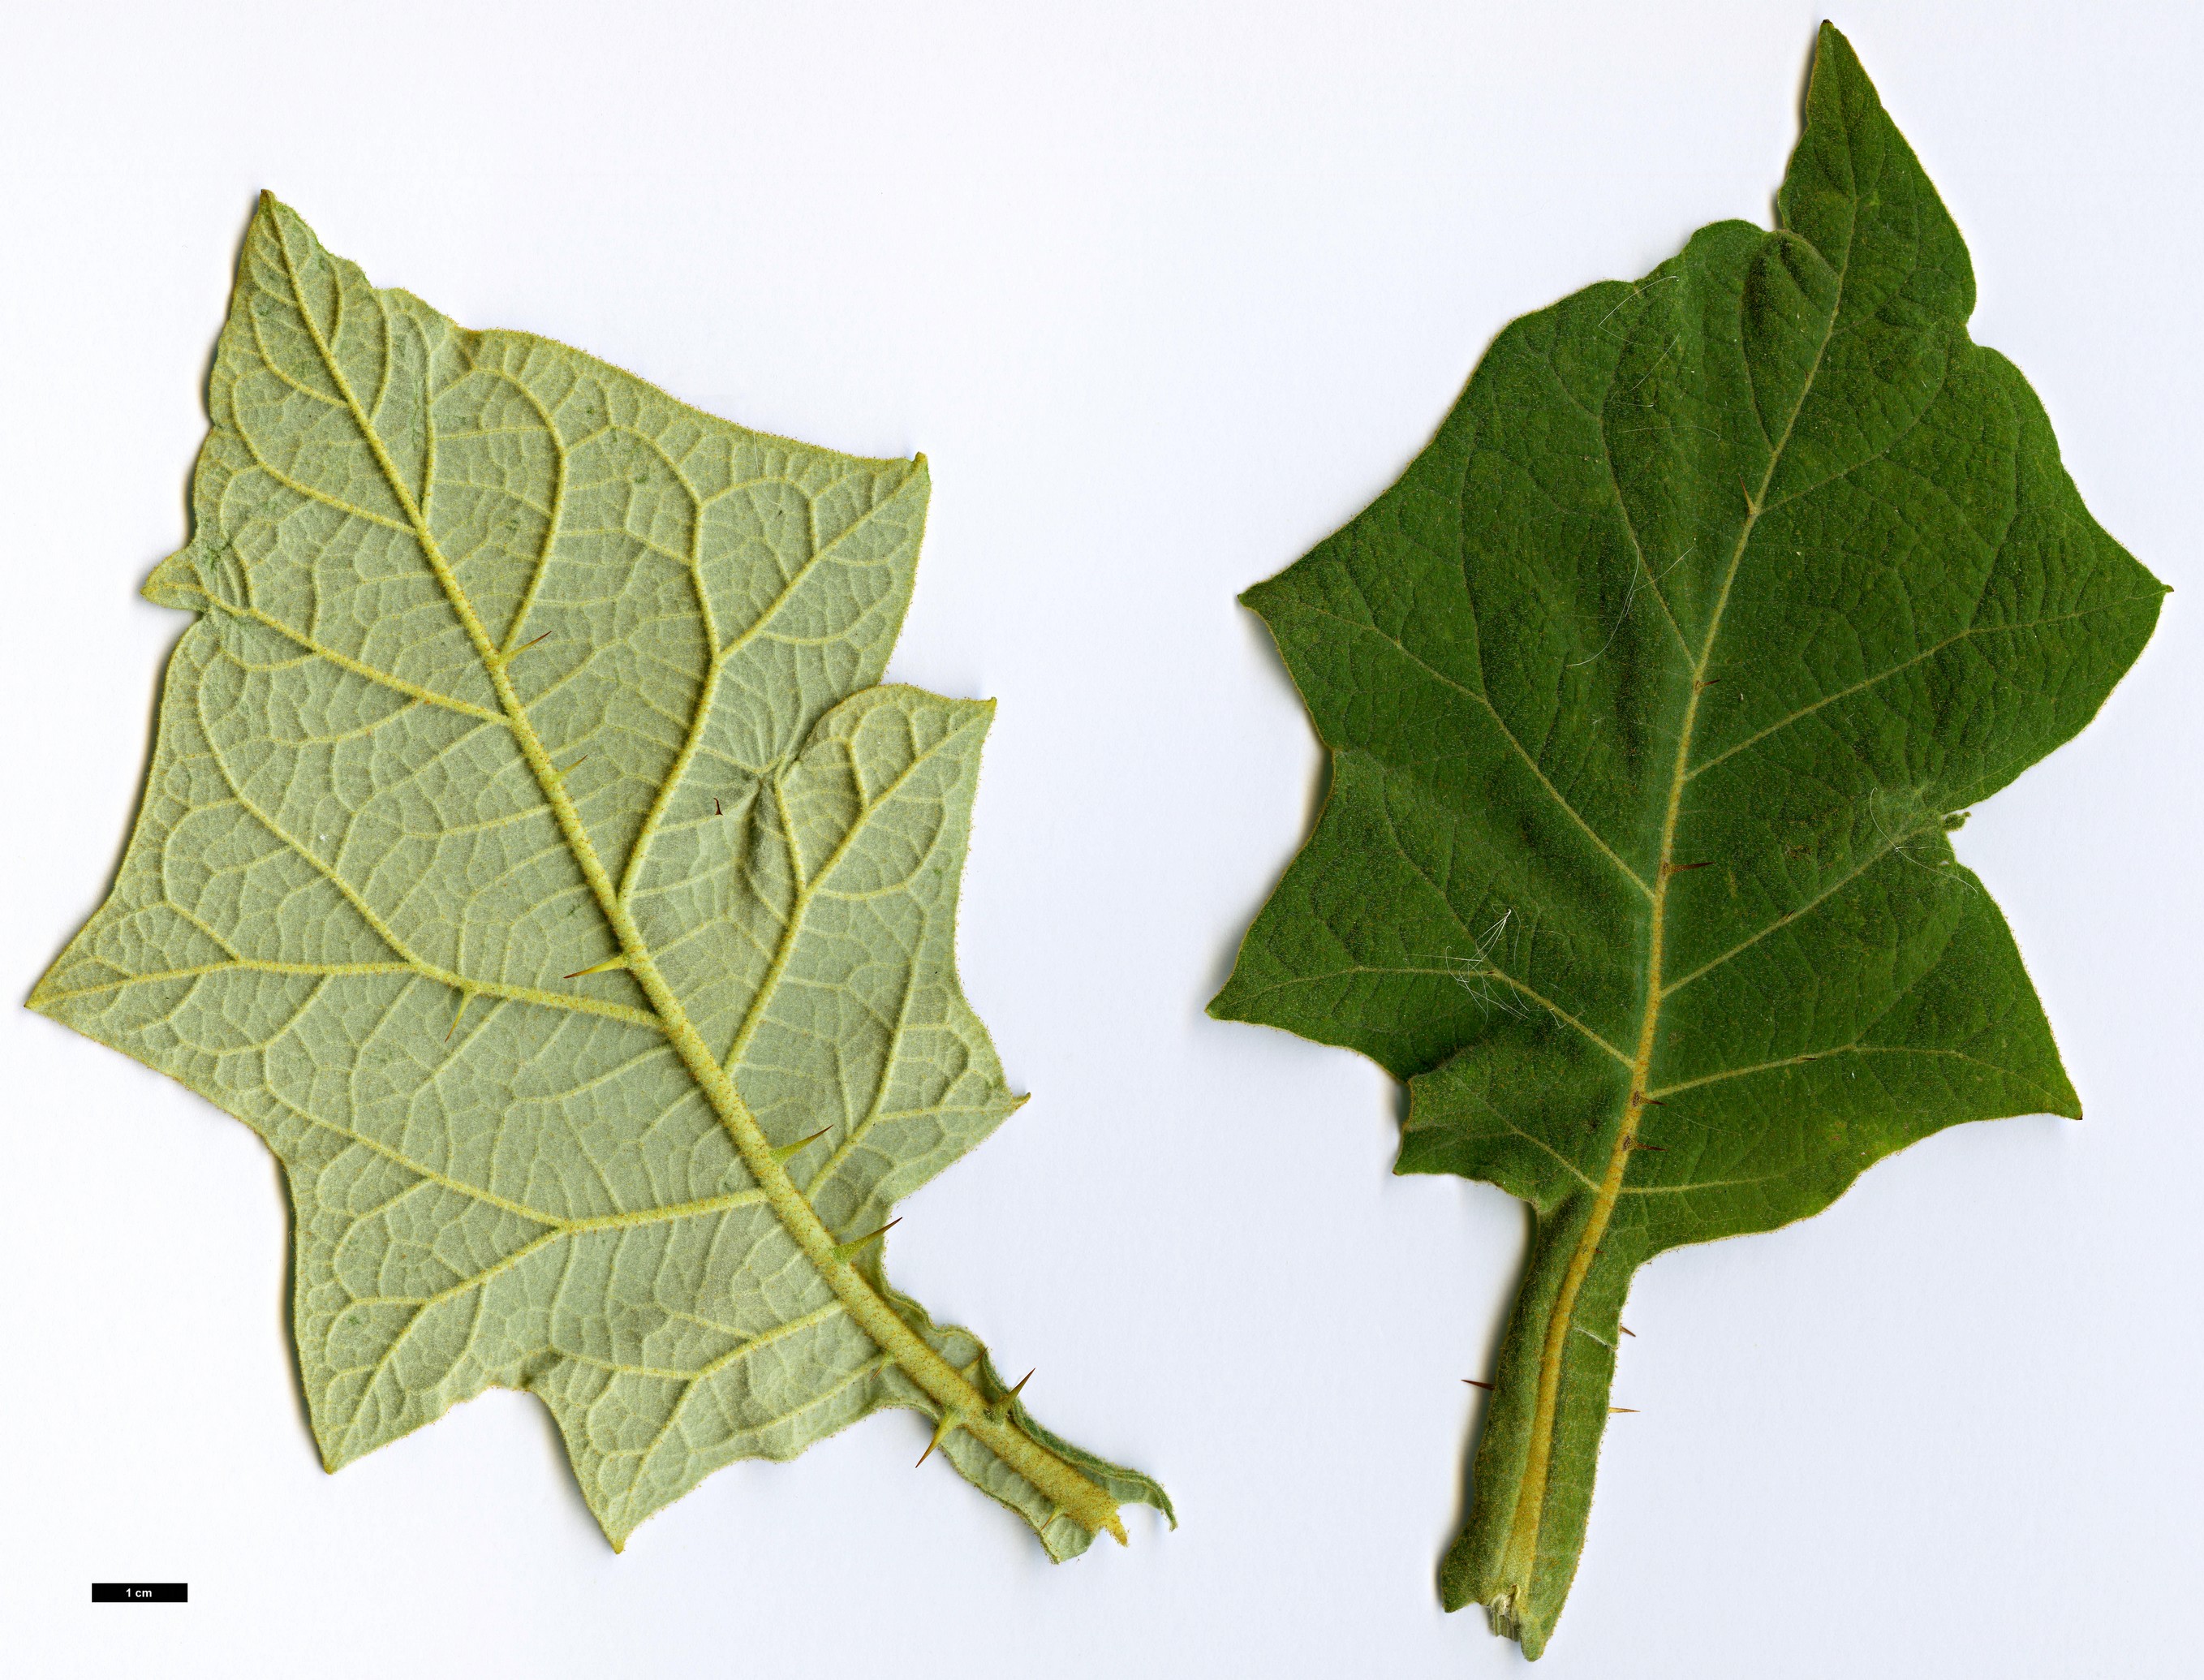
column 1164, row 293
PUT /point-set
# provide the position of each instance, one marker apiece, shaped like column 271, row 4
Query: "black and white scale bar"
column 141, row 1591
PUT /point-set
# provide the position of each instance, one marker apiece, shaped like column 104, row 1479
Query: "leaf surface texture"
column 1651, row 692
column 529, row 855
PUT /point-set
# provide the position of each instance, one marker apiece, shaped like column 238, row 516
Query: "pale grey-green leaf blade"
column 528, row 743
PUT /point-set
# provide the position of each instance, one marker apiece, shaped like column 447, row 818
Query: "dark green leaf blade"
column 1652, row 690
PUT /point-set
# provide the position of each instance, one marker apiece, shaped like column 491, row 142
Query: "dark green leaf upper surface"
column 1653, row 689
column 1772, row 495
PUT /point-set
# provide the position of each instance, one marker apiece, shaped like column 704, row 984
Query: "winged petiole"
column 1531, row 1483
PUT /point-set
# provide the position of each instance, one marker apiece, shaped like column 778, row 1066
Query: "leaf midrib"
column 962, row 1404
column 1521, row 1556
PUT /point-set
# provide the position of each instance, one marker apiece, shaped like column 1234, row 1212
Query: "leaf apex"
column 272, row 209
column 175, row 582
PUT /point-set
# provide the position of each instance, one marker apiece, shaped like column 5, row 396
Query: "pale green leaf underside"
column 1652, row 688
column 509, row 666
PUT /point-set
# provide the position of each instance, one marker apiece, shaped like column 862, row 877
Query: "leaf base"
column 1530, row 1493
